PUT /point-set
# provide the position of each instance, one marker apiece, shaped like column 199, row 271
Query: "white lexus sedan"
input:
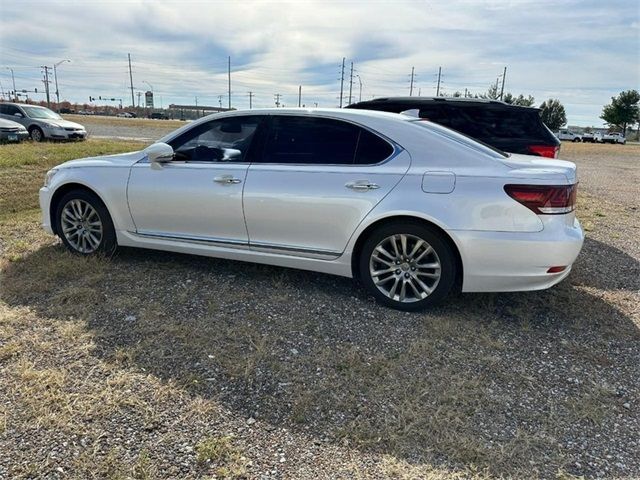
column 411, row 209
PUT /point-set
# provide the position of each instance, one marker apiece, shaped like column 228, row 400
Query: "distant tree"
column 519, row 100
column 553, row 114
column 492, row 93
column 623, row 110
column 457, row 94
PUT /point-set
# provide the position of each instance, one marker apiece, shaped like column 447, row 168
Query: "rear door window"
column 322, row 141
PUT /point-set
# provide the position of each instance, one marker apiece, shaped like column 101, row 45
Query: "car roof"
column 460, row 101
column 353, row 114
column 22, row 104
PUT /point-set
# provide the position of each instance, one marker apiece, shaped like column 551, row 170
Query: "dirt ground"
column 156, row 365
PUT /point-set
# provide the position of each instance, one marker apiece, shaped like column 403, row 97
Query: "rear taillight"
column 549, row 151
column 544, row 199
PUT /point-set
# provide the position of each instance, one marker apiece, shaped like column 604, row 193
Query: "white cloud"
column 579, row 52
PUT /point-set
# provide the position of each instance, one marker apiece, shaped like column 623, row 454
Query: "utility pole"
column 13, row 79
column 299, row 95
column 220, row 101
column 196, row 101
column 138, row 95
column 250, row 100
column 504, row 75
column 350, row 83
column 277, row 97
column 411, row 86
column 229, row 76
column 465, row 93
column 133, row 102
column 55, row 76
column 342, row 82
column 438, row 87
column 46, row 84
column 360, row 93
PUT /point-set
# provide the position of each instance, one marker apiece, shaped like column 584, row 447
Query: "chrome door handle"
column 362, row 185
column 226, row 179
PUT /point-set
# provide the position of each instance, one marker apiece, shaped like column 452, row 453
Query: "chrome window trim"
column 397, row 148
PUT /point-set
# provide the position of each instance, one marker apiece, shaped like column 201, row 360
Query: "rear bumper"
column 509, row 262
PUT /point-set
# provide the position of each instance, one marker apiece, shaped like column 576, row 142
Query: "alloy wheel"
column 405, row 268
column 81, row 226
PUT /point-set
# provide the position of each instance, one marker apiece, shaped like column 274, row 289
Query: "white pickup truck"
column 614, row 137
column 568, row 135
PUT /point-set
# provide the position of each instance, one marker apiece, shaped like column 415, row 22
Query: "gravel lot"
column 155, row 365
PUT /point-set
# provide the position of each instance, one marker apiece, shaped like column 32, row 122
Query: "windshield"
column 462, row 138
column 41, row 112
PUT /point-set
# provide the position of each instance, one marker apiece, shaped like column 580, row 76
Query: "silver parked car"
column 41, row 122
column 410, row 208
column 11, row 131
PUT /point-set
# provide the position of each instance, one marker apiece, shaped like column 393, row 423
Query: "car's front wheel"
column 36, row 134
column 407, row 266
column 84, row 224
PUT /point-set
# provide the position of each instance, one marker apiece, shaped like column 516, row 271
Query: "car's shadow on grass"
column 502, row 383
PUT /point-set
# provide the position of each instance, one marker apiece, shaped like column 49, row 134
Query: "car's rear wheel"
column 576, row 139
column 36, row 134
column 84, row 224
column 407, row 266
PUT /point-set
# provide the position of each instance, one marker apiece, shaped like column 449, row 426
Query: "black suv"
column 506, row 127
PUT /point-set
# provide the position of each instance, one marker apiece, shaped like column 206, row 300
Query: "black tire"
column 107, row 241
column 445, row 255
column 36, row 134
column 576, row 140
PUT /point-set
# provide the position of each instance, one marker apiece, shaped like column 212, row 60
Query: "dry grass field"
column 154, row 365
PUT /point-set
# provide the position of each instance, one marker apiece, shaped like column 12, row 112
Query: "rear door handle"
column 227, row 179
column 362, row 185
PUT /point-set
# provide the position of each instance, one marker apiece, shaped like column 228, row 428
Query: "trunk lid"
column 540, row 168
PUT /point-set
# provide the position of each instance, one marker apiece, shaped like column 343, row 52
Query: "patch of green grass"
column 23, row 165
column 221, row 452
column 48, row 154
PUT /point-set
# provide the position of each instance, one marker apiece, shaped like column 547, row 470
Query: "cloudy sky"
column 582, row 52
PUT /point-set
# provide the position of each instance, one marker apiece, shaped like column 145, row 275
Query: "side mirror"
column 18, row 114
column 159, row 153
column 231, row 155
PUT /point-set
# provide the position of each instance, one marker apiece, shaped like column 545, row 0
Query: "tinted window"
column 372, row 149
column 311, row 141
column 9, row 109
column 484, row 123
column 223, row 140
column 305, row 140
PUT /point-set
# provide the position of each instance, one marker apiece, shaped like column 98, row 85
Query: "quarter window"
column 223, row 140
column 317, row 141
